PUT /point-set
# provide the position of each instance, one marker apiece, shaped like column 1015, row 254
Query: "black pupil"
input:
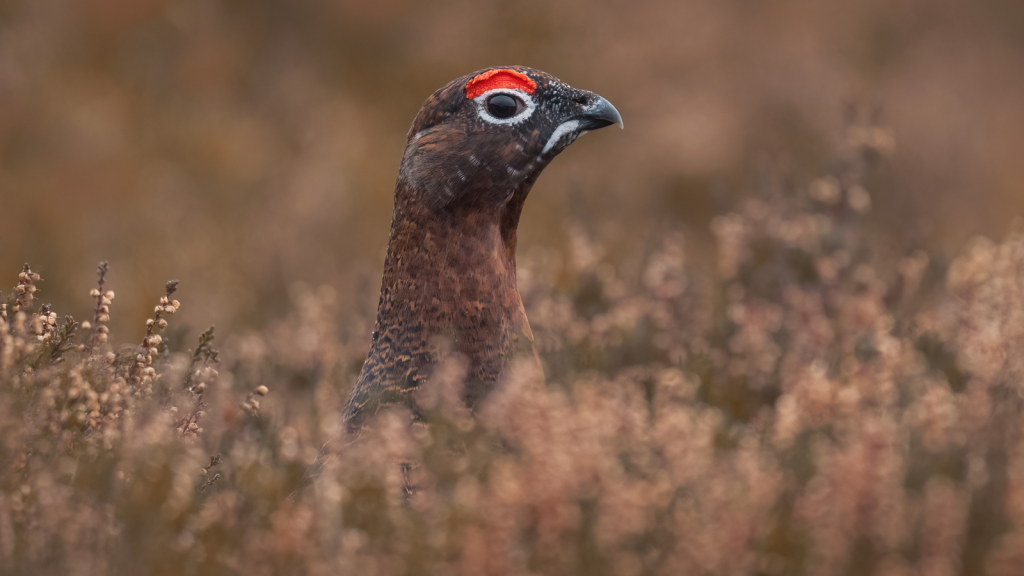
column 502, row 106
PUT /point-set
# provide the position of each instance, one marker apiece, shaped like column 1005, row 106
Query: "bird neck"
column 449, row 285
column 450, row 255
column 454, row 248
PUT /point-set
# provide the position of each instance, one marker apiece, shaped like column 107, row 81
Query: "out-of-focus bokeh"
column 241, row 146
column 770, row 344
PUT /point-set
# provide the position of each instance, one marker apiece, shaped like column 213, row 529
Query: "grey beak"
column 600, row 114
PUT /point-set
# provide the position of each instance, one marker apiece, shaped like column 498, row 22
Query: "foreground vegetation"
column 807, row 411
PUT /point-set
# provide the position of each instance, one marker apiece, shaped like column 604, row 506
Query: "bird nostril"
column 581, row 99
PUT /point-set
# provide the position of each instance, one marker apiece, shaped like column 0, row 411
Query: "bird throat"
column 449, row 289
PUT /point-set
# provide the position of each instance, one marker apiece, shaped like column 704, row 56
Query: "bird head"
column 485, row 137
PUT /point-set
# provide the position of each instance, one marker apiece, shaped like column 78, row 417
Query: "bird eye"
column 504, row 106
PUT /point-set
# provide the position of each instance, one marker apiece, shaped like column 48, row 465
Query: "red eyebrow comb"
column 500, row 78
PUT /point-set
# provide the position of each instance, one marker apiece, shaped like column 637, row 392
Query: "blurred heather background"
column 771, row 345
column 244, row 146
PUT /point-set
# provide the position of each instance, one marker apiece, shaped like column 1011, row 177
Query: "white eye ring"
column 481, row 106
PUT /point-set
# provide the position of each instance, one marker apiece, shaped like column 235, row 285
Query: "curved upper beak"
column 599, row 114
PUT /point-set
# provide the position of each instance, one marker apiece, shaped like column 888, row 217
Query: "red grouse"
column 473, row 153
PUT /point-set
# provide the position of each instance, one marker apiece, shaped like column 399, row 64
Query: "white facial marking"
column 481, row 106
column 564, row 128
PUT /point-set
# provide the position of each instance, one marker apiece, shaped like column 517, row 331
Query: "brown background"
column 241, row 146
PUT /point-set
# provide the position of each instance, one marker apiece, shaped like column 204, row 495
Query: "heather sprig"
column 99, row 331
column 142, row 372
column 200, row 370
column 24, row 292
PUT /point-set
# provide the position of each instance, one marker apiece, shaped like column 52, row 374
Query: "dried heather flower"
column 200, row 374
column 24, row 292
column 141, row 374
column 44, row 323
column 251, row 403
column 101, row 313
